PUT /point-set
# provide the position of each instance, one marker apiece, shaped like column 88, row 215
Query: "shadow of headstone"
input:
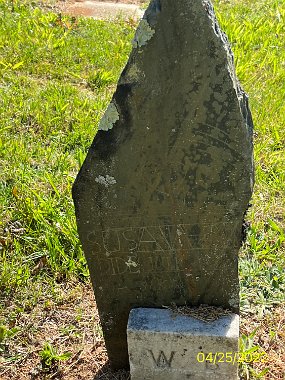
column 106, row 373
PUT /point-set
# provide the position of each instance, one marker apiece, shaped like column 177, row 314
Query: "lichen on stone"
column 109, row 118
column 143, row 34
column 234, row 302
column 131, row 263
column 133, row 73
column 106, row 181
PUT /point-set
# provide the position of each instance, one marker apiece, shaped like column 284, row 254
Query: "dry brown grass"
column 71, row 324
column 270, row 336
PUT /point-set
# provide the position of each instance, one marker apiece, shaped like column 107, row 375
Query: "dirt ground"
column 120, row 1
column 137, row 2
column 72, row 325
column 101, row 9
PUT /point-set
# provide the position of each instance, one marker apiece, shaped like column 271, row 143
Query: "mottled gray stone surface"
column 161, row 196
column 166, row 346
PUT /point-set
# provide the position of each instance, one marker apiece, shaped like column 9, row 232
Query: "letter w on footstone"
column 161, row 361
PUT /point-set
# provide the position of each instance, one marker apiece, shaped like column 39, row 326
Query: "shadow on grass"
column 106, row 373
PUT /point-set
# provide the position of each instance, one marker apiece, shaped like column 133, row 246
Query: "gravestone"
column 161, row 196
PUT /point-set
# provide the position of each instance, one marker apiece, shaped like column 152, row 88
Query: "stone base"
column 165, row 346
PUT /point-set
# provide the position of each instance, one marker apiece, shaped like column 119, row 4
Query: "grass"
column 57, row 75
column 56, row 78
column 256, row 30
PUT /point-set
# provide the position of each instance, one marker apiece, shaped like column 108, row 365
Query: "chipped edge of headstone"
column 240, row 92
column 210, row 10
column 110, row 117
column 143, row 34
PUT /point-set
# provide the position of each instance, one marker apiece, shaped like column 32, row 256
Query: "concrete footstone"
column 165, row 346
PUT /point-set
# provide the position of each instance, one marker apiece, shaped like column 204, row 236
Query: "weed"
column 99, row 79
column 248, row 351
column 50, row 358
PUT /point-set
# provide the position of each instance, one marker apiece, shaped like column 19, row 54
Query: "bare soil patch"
column 101, row 9
column 72, row 325
column 138, row 2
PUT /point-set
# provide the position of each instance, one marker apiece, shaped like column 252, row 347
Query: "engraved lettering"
column 106, row 267
column 178, row 236
column 161, row 361
column 111, row 241
column 120, row 265
column 130, row 237
column 167, row 238
column 93, row 238
column 148, row 242
column 133, row 265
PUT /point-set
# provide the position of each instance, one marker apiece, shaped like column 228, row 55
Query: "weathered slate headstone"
column 161, row 196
